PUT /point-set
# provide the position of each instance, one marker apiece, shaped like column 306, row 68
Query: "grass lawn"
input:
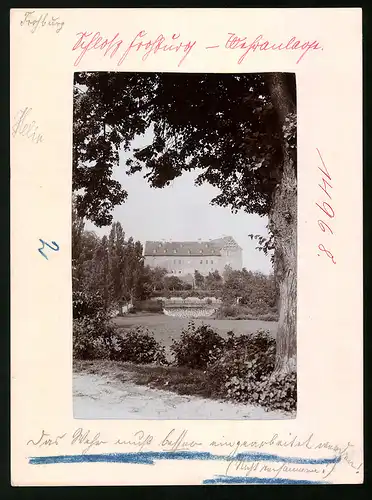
column 166, row 327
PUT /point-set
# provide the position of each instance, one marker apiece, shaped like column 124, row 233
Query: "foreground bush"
column 246, row 357
column 92, row 337
column 138, row 346
column 197, row 347
column 245, row 373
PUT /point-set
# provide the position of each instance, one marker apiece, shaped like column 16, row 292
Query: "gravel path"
column 98, row 397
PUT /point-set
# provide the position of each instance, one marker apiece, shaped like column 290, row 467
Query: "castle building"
column 182, row 258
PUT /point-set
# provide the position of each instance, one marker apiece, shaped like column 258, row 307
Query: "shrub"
column 246, row 357
column 278, row 392
column 92, row 337
column 227, row 311
column 152, row 306
column 138, row 346
column 245, row 373
column 197, row 346
column 86, row 304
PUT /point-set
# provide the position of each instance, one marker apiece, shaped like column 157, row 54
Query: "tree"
column 157, row 277
column 254, row 289
column 240, row 130
column 198, row 279
column 117, row 254
column 213, row 281
column 100, row 273
column 173, row 283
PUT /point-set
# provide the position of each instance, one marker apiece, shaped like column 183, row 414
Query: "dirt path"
column 97, row 396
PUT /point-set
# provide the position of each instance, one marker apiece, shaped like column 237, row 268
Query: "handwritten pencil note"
column 250, row 110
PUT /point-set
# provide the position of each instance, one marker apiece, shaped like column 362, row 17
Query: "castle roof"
column 193, row 248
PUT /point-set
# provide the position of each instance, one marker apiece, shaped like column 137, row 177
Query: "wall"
column 187, row 264
column 189, row 312
column 179, row 265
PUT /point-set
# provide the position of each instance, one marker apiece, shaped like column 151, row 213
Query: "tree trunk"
column 283, row 225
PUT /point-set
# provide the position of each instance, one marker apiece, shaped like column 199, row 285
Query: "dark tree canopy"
column 225, row 125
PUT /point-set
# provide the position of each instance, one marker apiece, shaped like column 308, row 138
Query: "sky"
column 182, row 212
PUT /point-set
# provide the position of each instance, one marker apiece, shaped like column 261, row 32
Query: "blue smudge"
column 258, row 480
column 149, row 457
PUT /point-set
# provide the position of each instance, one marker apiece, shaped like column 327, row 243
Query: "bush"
column 197, row 346
column 138, row 346
column 92, row 337
column 244, row 373
column 227, row 311
column 86, row 305
column 247, row 357
column 152, row 306
column 278, row 392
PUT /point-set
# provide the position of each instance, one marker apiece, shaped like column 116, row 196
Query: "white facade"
column 181, row 258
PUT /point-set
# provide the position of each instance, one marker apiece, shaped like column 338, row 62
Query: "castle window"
column 175, row 251
column 154, row 251
column 179, row 272
column 159, row 245
column 189, row 252
column 211, row 261
column 174, row 262
column 180, row 262
column 165, row 251
column 201, row 262
column 201, row 251
column 206, row 261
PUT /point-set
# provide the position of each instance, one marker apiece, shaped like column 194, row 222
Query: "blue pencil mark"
column 258, row 480
column 149, row 458
column 49, row 246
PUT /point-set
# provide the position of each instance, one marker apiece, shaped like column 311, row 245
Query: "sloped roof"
column 186, row 248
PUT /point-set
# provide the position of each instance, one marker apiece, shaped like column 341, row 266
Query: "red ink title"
column 327, row 210
column 141, row 43
column 147, row 46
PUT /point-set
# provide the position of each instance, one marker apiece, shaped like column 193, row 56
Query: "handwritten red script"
column 260, row 43
column 146, row 46
column 325, row 207
column 141, row 43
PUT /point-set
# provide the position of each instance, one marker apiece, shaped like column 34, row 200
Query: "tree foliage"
column 111, row 266
column 253, row 289
column 225, row 125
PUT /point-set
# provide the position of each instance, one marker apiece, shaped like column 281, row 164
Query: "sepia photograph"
column 184, row 246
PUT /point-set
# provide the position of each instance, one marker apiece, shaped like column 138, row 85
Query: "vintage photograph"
column 184, row 246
